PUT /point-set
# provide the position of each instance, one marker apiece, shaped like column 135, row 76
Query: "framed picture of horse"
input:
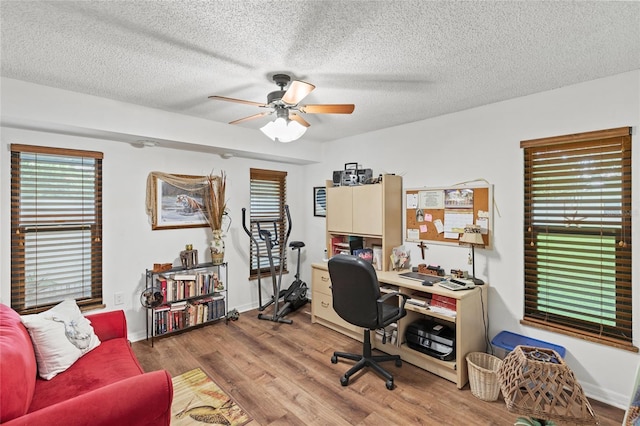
column 175, row 207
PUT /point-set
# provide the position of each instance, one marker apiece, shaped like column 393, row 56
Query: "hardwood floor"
column 282, row 375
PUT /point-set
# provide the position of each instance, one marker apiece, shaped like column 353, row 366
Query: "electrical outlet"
column 119, row 298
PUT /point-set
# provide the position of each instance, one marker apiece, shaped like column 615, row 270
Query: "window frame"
column 572, row 169
column 278, row 179
column 26, row 223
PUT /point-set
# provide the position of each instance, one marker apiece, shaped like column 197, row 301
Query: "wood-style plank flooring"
column 282, row 375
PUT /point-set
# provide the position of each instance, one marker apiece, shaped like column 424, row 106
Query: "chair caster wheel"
column 390, row 384
column 344, row 381
column 334, row 359
column 398, row 363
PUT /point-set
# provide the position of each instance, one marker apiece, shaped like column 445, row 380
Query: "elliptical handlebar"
column 265, row 234
column 286, row 209
column 244, row 225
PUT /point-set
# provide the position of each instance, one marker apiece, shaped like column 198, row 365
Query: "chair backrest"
column 355, row 290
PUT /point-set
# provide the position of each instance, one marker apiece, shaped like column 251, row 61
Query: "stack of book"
column 179, row 315
column 184, row 286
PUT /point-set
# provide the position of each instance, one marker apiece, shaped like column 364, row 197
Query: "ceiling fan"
column 288, row 125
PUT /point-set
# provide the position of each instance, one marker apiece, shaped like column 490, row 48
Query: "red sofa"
column 106, row 386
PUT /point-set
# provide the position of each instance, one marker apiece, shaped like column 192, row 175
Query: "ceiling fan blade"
column 297, row 91
column 328, row 109
column 239, row 101
column 299, row 119
column 251, row 117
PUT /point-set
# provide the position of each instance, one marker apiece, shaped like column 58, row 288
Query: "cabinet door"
column 367, row 209
column 339, row 209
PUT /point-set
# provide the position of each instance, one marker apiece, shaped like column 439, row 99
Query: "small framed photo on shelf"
column 176, row 208
column 319, row 201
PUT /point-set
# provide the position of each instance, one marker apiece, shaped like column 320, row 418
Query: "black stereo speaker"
column 337, row 177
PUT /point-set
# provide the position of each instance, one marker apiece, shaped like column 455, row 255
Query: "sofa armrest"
column 139, row 400
column 109, row 325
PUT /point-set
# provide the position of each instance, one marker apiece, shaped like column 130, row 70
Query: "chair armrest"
column 109, row 325
column 401, row 311
column 394, row 293
column 139, row 400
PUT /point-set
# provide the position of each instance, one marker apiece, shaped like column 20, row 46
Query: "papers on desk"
column 418, row 302
column 426, row 304
column 443, row 311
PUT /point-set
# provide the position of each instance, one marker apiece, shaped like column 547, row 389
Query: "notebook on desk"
column 421, row 277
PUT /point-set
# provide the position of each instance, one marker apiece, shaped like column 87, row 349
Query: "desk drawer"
column 321, row 282
column 322, row 307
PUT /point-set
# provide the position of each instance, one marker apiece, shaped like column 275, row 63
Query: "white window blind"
column 56, row 227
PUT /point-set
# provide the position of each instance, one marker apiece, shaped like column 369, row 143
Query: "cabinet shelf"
column 217, row 293
column 429, row 312
column 444, row 364
column 182, row 269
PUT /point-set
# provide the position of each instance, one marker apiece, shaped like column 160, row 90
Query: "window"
column 268, row 198
column 577, row 235
column 56, row 227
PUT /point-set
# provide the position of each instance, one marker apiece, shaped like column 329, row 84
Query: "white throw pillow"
column 60, row 337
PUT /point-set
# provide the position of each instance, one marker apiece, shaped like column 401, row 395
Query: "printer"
column 432, row 338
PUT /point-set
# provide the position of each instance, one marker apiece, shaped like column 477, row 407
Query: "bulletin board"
column 439, row 215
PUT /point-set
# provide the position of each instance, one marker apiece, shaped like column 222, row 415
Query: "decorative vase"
column 217, row 248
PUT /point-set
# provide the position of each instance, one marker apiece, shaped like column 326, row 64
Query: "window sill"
column 584, row 336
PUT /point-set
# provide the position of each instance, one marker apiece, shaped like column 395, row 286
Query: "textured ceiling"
column 397, row 61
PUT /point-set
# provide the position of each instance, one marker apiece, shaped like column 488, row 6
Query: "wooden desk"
column 469, row 324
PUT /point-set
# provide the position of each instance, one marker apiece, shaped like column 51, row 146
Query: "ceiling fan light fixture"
column 284, row 130
column 289, row 124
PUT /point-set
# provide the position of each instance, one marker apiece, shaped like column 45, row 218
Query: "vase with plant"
column 215, row 210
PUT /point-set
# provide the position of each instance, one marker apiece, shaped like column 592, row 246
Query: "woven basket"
column 483, row 375
column 536, row 382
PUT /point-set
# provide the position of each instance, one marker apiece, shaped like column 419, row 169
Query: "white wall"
column 484, row 143
column 129, row 244
column 478, row 143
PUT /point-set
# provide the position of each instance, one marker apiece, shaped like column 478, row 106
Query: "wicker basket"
column 483, row 375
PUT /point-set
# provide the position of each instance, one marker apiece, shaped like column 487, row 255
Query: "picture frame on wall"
column 320, row 201
column 175, row 208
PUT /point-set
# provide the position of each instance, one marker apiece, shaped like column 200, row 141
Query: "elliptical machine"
column 293, row 297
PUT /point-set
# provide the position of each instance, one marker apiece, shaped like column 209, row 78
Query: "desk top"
column 393, row 278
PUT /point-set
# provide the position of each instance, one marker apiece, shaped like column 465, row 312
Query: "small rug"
column 197, row 400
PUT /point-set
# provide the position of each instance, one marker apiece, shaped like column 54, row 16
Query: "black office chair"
column 356, row 299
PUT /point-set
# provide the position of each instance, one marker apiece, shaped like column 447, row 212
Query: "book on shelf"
column 162, row 283
column 443, row 305
column 179, row 306
column 418, row 302
column 184, row 277
column 183, row 286
column 377, row 257
column 365, row 254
